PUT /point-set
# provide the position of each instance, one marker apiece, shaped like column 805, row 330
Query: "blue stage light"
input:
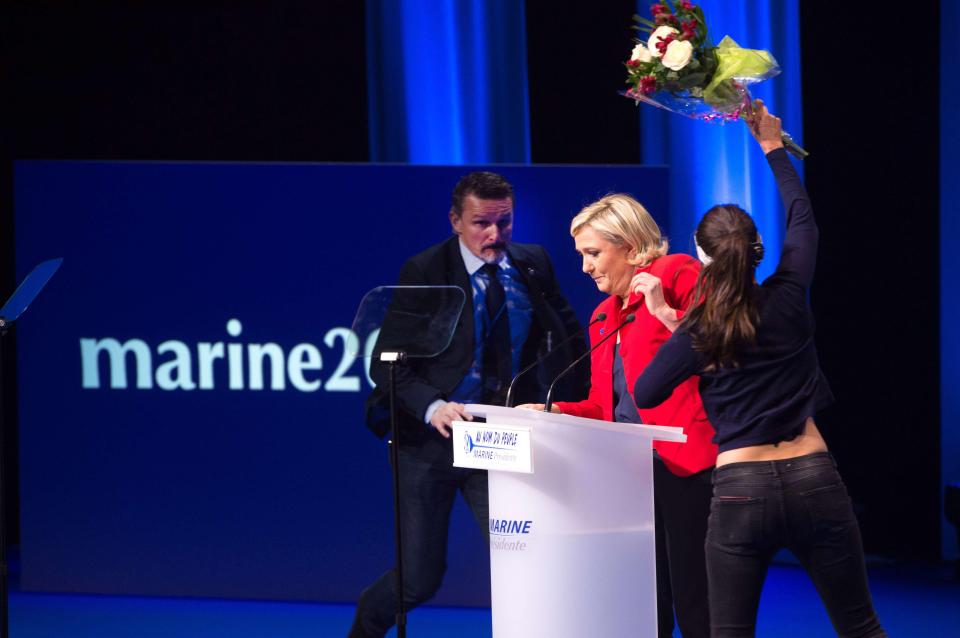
column 447, row 81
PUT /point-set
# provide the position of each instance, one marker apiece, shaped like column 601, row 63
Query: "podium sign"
column 491, row 446
column 572, row 549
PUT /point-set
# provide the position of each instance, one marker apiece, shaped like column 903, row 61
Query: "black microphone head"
column 629, row 318
column 601, row 316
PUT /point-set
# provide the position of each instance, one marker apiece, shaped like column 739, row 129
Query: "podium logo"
column 175, row 365
column 491, row 445
column 510, row 535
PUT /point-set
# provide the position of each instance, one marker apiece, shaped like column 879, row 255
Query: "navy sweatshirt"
column 777, row 383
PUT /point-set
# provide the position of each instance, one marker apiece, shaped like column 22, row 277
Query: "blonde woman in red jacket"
column 625, row 254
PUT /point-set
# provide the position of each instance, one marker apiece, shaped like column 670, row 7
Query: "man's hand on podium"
column 446, row 414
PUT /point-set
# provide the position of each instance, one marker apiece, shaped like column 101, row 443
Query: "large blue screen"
column 190, row 420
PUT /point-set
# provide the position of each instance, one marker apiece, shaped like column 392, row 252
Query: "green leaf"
column 645, row 22
column 701, row 23
column 692, row 80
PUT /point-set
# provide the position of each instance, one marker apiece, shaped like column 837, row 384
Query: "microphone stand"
column 509, row 402
column 393, row 359
column 549, row 404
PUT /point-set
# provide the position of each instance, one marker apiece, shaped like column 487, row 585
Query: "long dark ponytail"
column 725, row 314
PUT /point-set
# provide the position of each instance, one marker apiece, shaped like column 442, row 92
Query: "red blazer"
column 639, row 341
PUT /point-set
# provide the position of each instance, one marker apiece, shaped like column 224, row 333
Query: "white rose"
column 678, row 54
column 641, row 53
column 660, row 33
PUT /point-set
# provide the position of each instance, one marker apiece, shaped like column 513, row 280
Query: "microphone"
column 601, row 316
column 546, row 408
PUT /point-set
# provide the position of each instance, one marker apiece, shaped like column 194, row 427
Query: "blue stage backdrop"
column 190, row 421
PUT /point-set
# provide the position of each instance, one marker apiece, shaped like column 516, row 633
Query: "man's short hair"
column 482, row 185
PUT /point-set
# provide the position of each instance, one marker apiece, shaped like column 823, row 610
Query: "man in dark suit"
column 514, row 311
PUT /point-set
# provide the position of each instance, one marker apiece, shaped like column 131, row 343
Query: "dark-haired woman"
column 775, row 485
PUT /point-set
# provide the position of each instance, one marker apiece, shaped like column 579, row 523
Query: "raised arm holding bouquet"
column 677, row 68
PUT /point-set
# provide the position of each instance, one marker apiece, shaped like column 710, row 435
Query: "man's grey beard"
column 495, row 258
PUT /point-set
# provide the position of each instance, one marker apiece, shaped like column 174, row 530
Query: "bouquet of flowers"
column 677, row 68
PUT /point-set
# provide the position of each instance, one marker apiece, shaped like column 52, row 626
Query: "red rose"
column 664, row 43
column 686, row 6
column 633, row 62
column 658, row 8
column 664, row 16
column 648, row 84
column 689, row 29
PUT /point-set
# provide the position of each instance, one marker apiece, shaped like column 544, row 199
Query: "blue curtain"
column 447, row 81
column 949, row 258
column 711, row 163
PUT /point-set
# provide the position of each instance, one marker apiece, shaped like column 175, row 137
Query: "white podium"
column 571, row 521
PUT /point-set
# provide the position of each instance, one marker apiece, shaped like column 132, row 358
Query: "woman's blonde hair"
column 622, row 220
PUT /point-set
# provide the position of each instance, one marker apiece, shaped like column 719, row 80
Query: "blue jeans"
column 427, row 493
column 801, row 504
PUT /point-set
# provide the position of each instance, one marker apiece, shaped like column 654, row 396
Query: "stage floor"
column 911, row 600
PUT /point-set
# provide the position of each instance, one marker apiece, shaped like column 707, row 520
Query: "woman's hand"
column 643, row 283
column 765, row 127
column 539, row 407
